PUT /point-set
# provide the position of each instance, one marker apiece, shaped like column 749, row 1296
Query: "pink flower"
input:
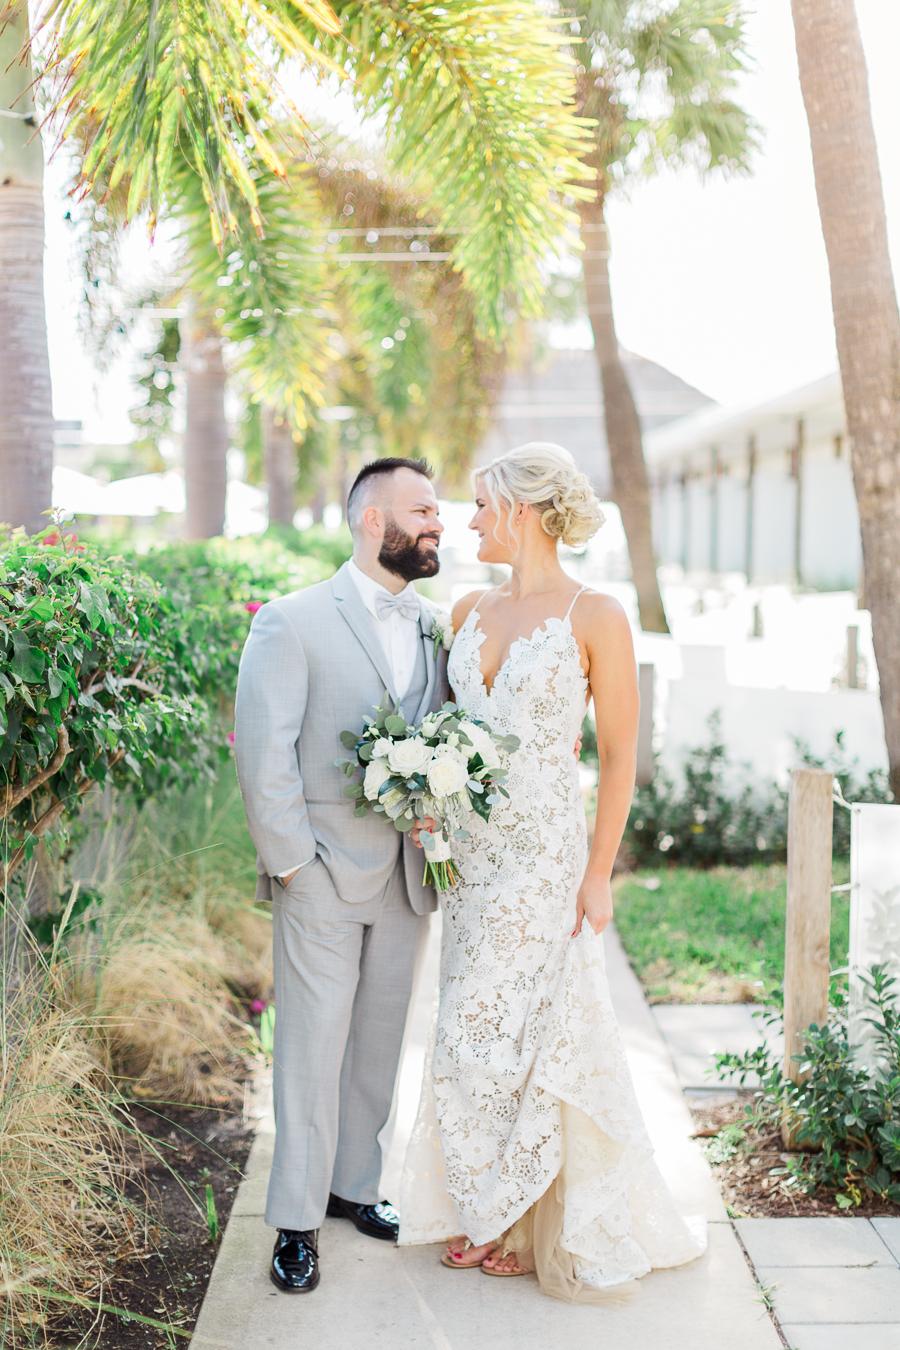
column 258, row 1005
column 51, row 539
column 253, row 605
column 230, row 738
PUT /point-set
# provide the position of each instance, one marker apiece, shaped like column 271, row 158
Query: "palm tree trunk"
column 206, row 430
column 834, row 82
column 280, row 454
column 26, row 403
column 630, row 484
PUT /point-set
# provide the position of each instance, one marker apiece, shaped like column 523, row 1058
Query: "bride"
column 529, row 1152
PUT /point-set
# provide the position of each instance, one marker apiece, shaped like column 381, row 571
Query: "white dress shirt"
column 398, row 636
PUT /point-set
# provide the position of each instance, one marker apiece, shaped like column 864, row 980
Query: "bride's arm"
column 606, row 635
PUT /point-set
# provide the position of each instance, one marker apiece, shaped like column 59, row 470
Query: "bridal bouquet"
column 448, row 768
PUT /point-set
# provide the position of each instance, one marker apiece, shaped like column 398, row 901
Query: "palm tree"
column 26, row 420
column 477, row 101
column 835, row 89
column 658, row 80
column 206, row 428
column 280, row 456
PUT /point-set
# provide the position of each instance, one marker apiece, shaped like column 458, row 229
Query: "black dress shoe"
column 378, row 1221
column 295, row 1261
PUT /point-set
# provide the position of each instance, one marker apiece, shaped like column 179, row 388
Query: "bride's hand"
column 427, row 825
column 595, row 903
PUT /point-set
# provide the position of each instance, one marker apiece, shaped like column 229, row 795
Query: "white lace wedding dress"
column 528, row 1120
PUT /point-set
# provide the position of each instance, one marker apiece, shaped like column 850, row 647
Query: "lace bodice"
column 538, row 693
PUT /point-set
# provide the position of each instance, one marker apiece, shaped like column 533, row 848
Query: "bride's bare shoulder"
column 602, row 616
column 464, row 606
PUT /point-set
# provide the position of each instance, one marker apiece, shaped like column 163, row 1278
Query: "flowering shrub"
column 217, row 585
column 117, row 668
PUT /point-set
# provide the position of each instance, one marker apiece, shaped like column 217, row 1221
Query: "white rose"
column 409, row 756
column 377, row 773
column 447, row 773
column 437, row 848
column 483, row 743
column 381, row 748
column 442, row 630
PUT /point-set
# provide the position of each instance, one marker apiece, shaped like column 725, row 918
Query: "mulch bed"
column 748, row 1189
column 168, row 1281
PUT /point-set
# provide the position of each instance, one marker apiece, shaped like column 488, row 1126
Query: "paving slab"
column 695, row 1032
column 888, row 1230
column 375, row 1295
column 842, row 1336
column 822, row 1294
column 831, row 1241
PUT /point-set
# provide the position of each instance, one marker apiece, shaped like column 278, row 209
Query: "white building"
column 764, row 490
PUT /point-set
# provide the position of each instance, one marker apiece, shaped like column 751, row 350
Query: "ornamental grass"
column 64, row 1215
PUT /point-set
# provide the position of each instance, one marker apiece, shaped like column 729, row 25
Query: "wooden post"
column 714, row 510
column 748, row 518
column 797, row 464
column 808, row 919
column 852, row 656
column 685, row 521
column 644, row 771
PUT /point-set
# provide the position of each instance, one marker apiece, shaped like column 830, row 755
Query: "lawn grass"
column 716, row 935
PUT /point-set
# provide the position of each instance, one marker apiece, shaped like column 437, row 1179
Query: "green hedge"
column 713, row 816
column 117, row 667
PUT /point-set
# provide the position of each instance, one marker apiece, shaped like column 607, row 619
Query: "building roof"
column 556, row 396
column 772, row 422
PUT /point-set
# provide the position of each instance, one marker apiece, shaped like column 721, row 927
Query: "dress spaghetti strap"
column 568, row 613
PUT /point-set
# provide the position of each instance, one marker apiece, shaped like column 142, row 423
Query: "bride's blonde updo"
column 546, row 477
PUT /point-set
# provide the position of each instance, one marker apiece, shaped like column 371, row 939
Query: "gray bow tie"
column 405, row 604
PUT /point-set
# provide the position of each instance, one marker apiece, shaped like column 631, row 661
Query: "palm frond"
column 478, row 105
column 270, row 298
column 431, row 391
column 661, row 82
column 163, row 83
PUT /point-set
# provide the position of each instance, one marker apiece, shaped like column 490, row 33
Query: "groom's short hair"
column 380, row 468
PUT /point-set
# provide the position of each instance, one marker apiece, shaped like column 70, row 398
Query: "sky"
column 722, row 280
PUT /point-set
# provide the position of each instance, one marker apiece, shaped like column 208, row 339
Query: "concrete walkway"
column 375, row 1295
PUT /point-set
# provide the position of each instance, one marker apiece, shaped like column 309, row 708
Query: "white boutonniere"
column 441, row 631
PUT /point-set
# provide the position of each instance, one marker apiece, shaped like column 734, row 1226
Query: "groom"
column 347, row 891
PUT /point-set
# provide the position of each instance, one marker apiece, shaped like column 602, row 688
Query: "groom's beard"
column 407, row 556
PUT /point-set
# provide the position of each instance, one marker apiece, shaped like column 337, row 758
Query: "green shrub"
column 93, row 684
column 708, row 818
column 850, row 1116
column 332, row 547
column 119, row 667
column 215, row 585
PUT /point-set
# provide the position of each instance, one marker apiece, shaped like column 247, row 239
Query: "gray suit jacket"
column 312, row 667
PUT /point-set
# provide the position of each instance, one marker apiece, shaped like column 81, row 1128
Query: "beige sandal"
column 447, row 1260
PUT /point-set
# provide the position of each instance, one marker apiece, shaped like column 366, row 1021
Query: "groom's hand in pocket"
column 595, row 903
column 428, row 825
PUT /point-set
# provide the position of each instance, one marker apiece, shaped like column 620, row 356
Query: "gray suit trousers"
column 343, row 978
